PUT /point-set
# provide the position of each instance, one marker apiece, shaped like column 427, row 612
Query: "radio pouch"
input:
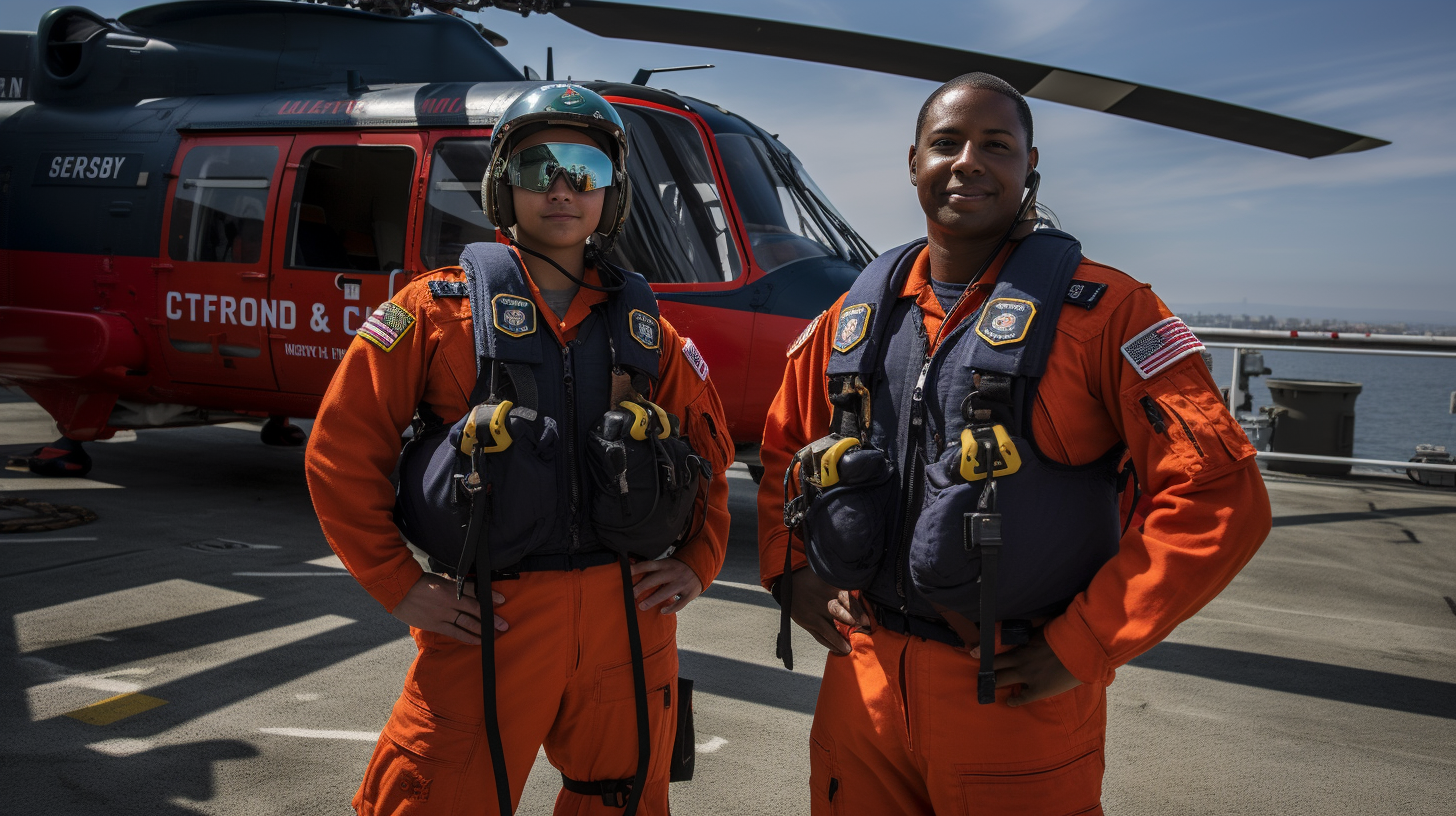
column 849, row 506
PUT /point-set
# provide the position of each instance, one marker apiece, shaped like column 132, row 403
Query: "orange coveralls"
column 564, row 675
column 897, row 728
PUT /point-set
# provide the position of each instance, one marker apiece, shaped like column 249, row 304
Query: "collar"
column 917, row 285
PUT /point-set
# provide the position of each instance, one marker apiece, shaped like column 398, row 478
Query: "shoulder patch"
column 1005, row 321
column 444, row 289
column 512, row 315
column 854, row 323
column 1160, row 345
column 695, row 358
column 387, row 325
column 1085, row 293
column 644, row 329
column 805, row 334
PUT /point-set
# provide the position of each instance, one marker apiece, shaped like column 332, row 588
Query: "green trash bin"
column 1313, row 417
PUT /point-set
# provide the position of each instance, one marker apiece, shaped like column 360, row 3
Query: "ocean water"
column 1405, row 401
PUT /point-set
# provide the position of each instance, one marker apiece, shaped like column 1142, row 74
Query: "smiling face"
column 970, row 164
column 561, row 217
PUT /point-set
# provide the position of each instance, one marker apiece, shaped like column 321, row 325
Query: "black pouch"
column 847, row 526
column 645, row 489
column 684, row 744
column 940, row 567
column 433, row 505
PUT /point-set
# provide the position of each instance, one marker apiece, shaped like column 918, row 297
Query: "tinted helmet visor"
column 586, row 168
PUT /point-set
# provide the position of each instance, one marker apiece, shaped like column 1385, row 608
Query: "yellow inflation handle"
column 641, row 418
column 829, row 462
column 970, row 452
column 492, row 419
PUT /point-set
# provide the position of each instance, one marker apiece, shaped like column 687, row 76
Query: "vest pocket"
column 520, row 483
column 940, row 567
column 847, row 527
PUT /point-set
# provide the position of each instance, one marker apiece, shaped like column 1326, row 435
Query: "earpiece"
column 1032, row 178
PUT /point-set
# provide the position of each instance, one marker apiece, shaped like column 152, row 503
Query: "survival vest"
column 937, row 489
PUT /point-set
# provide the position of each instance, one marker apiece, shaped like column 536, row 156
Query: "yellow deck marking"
column 115, row 708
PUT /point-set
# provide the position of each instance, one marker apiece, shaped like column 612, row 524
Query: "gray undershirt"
column 559, row 300
column 947, row 293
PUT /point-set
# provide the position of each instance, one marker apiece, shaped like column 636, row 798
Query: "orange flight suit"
column 897, row 728
column 564, row 675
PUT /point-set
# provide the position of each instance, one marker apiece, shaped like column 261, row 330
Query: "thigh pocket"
column 1068, row 787
column 418, row 762
column 617, row 710
column 824, row 778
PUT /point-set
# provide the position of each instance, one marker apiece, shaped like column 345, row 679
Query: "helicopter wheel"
column 62, row 458
column 279, row 432
column 756, row 471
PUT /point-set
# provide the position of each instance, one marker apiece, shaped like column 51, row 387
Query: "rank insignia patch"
column 854, row 324
column 515, row 316
column 387, row 325
column 804, row 335
column 1160, row 345
column 444, row 289
column 644, row 328
column 1085, row 293
column 695, row 357
column 1005, row 320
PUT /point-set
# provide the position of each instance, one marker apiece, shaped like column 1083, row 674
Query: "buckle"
column 981, row 531
column 794, row 512
column 981, row 442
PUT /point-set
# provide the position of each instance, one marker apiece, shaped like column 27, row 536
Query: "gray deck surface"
column 1323, row 681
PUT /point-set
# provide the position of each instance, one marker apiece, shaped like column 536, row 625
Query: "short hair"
column 985, row 82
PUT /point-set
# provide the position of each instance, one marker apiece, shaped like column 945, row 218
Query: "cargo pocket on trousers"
column 418, row 762
column 1067, row 788
column 617, row 709
column 824, row 778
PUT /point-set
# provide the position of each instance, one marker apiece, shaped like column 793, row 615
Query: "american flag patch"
column 695, row 358
column 388, row 323
column 1160, row 345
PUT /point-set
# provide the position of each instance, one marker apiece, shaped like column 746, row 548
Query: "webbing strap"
column 614, row 792
column 524, row 382
column 487, row 656
column 639, row 688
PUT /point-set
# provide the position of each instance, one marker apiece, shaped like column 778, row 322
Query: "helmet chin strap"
column 598, row 259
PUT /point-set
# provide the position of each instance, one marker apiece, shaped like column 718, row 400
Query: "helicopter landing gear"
column 64, row 458
column 277, row 431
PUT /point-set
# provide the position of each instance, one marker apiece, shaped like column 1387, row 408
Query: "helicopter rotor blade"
column 1195, row 114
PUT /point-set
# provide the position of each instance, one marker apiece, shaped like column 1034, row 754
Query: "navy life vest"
column 904, row 532
column 539, row 491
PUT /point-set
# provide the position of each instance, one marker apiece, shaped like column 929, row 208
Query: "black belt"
column 916, row 626
column 561, row 562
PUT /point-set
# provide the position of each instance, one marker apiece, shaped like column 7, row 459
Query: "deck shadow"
column 750, row 682
column 1360, row 515
column 1341, row 684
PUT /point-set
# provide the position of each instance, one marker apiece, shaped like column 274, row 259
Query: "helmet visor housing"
column 535, row 168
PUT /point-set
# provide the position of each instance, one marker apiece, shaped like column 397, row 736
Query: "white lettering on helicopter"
column 313, row 352
column 276, row 314
column 12, row 87
column 313, row 106
column 88, row 167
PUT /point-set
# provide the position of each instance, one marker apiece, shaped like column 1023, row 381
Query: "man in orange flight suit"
column 897, row 728
column 563, row 670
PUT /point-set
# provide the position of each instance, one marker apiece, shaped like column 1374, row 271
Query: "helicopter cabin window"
column 453, row 215
column 677, row 231
column 351, row 208
column 221, row 202
column 773, row 195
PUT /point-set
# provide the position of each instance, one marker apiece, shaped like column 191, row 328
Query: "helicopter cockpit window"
column 453, row 216
column 222, row 198
column 786, row 216
column 351, row 208
column 677, row 231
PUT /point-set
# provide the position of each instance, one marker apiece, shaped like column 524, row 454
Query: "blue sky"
column 1206, row 222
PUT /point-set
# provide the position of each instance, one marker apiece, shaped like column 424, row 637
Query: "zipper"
column 569, row 379
column 1188, row 432
column 1155, row 417
column 914, row 472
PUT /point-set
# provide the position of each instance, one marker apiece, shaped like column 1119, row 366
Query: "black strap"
column 524, row 381
column 478, row 515
column 784, row 588
column 916, row 626
column 614, row 792
column 639, row 687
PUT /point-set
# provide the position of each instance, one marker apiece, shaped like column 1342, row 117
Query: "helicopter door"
column 214, row 284
column 344, row 245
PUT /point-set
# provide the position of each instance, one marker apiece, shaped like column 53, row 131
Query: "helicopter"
column 201, row 201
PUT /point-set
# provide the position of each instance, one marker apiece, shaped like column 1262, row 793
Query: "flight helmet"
column 559, row 105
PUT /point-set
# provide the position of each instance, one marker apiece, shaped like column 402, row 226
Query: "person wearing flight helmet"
column 568, row 461
column 940, row 507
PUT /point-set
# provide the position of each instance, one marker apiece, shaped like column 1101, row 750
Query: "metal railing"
column 1243, row 341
